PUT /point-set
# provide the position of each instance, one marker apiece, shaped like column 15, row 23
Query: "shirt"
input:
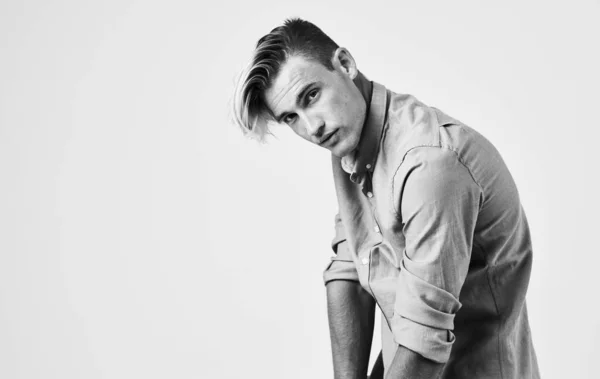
column 431, row 225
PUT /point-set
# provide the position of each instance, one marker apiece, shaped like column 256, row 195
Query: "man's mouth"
column 327, row 138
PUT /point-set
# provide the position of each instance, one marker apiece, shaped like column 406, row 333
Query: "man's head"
column 300, row 77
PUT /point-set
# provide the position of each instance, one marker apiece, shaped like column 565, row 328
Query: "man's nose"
column 315, row 127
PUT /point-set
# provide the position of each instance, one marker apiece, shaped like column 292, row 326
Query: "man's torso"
column 492, row 337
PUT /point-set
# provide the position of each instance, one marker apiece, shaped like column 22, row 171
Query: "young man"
column 430, row 225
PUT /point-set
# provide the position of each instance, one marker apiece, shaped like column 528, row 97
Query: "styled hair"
column 296, row 37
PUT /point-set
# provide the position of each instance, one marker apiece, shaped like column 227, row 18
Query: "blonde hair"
column 294, row 37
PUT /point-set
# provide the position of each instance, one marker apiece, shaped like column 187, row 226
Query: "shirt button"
column 368, row 166
column 376, row 229
column 365, row 260
column 369, row 194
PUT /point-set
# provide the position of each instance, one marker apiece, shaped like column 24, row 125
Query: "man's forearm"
column 351, row 312
column 410, row 365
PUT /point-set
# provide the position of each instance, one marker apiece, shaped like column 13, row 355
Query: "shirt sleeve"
column 342, row 266
column 437, row 202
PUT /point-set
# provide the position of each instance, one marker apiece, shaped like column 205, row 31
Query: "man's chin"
column 339, row 150
column 343, row 148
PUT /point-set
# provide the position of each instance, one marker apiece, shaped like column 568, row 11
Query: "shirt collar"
column 365, row 156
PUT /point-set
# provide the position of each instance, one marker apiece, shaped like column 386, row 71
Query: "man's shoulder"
column 410, row 123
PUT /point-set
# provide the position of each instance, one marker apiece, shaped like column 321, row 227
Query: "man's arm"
column 351, row 312
column 408, row 364
column 437, row 205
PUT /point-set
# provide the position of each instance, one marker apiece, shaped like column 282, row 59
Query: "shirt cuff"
column 432, row 343
column 342, row 266
column 423, row 302
column 424, row 317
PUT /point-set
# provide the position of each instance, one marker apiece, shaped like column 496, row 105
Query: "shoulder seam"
column 396, row 208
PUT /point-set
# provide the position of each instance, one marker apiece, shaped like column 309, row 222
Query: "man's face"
column 323, row 107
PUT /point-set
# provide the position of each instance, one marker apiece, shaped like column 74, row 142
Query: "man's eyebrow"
column 299, row 98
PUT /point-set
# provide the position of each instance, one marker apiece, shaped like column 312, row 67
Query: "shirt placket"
column 367, row 190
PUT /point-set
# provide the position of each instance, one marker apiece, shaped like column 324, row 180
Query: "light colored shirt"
column 431, row 225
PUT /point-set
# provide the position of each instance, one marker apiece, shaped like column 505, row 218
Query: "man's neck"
column 364, row 86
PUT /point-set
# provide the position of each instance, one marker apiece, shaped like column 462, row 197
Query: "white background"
column 141, row 236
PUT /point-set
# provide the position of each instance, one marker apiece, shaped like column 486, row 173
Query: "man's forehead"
column 291, row 78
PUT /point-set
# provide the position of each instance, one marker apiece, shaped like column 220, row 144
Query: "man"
column 430, row 225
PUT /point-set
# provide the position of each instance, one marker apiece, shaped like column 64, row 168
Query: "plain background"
column 141, row 236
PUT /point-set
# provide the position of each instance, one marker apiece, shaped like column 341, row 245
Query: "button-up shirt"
column 431, row 225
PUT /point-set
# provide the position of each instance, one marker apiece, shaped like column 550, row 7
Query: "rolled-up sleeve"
column 341, row 266
column 437, row 201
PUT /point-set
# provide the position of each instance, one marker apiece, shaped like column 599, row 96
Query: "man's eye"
column 312, row 95
column 289, row 118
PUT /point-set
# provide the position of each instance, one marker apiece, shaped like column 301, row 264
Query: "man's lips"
column 327, row 138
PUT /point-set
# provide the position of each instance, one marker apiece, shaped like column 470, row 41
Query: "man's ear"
column 343, row 61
